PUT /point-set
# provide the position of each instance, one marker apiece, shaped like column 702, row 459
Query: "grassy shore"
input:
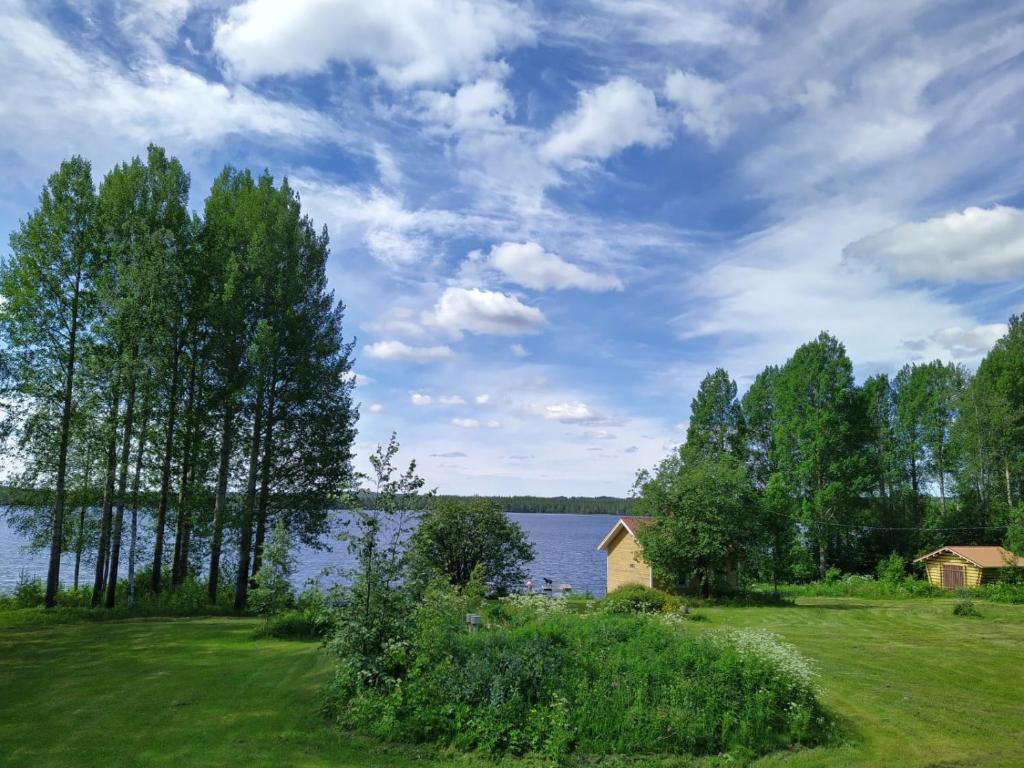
column 914, row 685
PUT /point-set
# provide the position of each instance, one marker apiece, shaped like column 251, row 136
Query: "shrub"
column 594, row 683
column 965, row 607
column 891, row 569
column 28, row 593
column 294, row 625
column 634, row 598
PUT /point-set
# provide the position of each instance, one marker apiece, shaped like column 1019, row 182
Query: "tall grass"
column 591, row 682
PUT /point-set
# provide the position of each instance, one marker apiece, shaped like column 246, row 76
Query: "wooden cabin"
column 954, row 567
column 625, row 556
column 626, row 561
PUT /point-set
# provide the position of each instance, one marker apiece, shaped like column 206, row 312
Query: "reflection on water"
column 565, row 547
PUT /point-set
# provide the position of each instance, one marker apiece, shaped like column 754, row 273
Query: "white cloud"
column 418, row 398
column 529, row 265
column 482, row 399
column 607, row 119
column 466, row 423
column 393, row 234
column 358, row 379
column 493, row 424
column 54, row 98
column 976, row 245
column 397, row 350
column 480, row 312
column 967, row 343
column 700, row 106
column 669, row 22
column 518, row 350
column 569, row 412
column 451, row 400
column 598, row 434
column 407, row 42
column 478, row 106
column 376, row 408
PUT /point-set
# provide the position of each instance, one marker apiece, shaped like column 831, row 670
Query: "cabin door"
column 952, row 576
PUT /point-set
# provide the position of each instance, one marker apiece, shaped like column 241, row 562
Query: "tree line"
column 809, row 470
column 565, row 505
column 189, row 367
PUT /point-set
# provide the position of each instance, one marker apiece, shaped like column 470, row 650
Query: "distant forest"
column 564, row 505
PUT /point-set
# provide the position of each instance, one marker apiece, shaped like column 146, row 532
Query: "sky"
column 550, row 220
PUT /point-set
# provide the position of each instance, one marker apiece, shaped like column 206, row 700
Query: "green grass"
column 914, row 685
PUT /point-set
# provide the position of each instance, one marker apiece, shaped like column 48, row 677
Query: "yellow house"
column 625, row 558
column 969, row 566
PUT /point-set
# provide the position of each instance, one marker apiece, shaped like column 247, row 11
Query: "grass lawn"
column 915, row 686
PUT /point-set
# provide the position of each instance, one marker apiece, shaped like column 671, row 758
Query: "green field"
column 912, row 684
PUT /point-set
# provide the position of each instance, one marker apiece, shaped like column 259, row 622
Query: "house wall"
column 973, row 575
column 625, row 563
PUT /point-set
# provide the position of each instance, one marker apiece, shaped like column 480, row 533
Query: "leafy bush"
column 965, row 607
column 591, row 683
column 634, row 598
column 294, row 625
column 273, row 591
column 28, row 593
column 891, row 570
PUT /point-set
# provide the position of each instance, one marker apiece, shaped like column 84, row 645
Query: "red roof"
column 983, row 557
column 631, row 524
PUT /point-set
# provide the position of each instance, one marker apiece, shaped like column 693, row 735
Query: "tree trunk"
column 165, row 469
column 226, row 436
column 140, row 453
column 80, row 538
column 122, row 485
column 179, row 569
column 108, row 494
column 57, row 531
column 268, row 457
column 942, row 485
column 1006, row 472
column 248, row 509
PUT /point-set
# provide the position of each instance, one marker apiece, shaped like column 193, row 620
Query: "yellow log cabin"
column 625, row 557
column 954, row 567
column 626, row 560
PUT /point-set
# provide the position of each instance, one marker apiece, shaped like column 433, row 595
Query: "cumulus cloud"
column 519, row 350
column 477, row 106
column 376, row 408
column 466, row 423
column 484, row 312
column 569, row 412
column 606, row 120
column 699, row 102
column 529, row 265
column 965, row 343
column 451, row 400
column 397, row 350
column 976, row 245
column 406, row 42
column 482, row 399
column 418, row 398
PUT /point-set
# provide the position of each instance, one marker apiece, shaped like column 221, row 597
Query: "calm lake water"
column 565, row 545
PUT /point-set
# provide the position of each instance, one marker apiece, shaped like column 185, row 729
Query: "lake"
column 565, row 548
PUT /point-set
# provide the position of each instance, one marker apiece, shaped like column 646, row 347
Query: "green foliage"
column 965, row 607
column 634, row 598
column 589, row 684
column 273, row 591
column 704, row 517
column 892, row 570
column 371, row 618
column 455, row 538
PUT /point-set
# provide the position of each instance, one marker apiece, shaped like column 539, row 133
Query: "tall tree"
column 819, row 436
column 716, row 419
column 48, row 287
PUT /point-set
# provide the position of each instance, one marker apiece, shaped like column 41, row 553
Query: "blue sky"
column 550, row 220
